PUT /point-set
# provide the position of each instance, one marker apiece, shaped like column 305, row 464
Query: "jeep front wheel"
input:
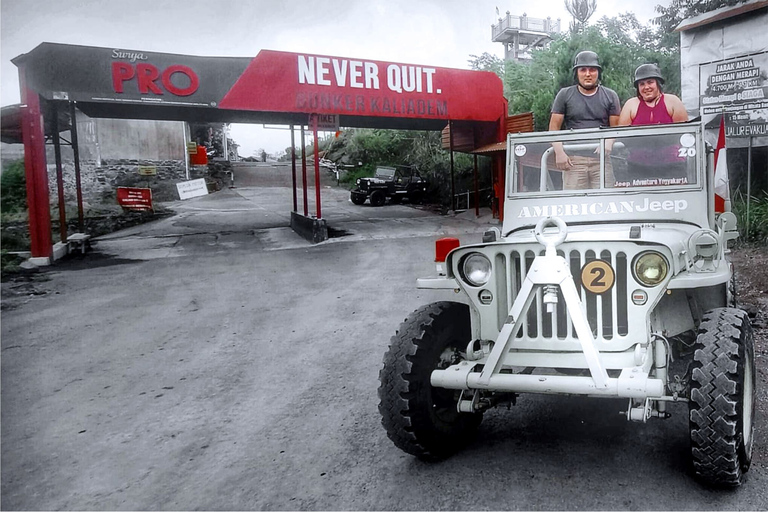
column 378, row 198
column 421, row 419
column 722, row 398
column 358, row 198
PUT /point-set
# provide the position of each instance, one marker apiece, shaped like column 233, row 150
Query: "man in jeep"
column 587, row 104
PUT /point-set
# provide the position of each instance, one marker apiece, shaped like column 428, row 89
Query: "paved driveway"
column 217, row 360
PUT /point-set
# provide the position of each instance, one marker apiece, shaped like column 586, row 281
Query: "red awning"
column 10, row 124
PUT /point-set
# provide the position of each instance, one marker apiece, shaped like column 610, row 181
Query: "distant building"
column 724, row 72
column 521, row 34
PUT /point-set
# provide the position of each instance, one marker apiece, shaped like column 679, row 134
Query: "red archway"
column 273, row 87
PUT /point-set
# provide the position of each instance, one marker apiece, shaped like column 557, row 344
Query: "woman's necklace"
column 654, row 102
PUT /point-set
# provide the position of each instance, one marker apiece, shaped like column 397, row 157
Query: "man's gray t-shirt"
column 582, row 111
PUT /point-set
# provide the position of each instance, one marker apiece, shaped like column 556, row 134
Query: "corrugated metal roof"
column 720, row 14
column 494, row 147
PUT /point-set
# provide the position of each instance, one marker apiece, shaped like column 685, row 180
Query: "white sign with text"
column 192, row 188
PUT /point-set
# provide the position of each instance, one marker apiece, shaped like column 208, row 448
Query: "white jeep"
column 587, row 292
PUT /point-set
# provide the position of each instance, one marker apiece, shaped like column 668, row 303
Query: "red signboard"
column 291, row 82
column 135, row 198
column 280, row 84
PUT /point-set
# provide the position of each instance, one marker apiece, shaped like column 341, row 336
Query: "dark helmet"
column 645, row 71
column 586, row 59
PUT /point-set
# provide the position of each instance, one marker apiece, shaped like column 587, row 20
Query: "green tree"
column 581, row 11
column 487, row 62
column 672, row 15
column 13, row 185
column 209, row 135
column 620, row 42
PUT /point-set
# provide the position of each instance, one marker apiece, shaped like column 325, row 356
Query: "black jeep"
column 394, row 183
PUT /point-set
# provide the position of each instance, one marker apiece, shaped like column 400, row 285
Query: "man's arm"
column 556, row 121
column 615, row 109
column 561, row 158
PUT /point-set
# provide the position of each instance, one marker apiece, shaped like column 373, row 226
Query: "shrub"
column 13, row 188
column 755, row 228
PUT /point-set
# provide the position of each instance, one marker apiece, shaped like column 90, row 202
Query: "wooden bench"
column 78, row 240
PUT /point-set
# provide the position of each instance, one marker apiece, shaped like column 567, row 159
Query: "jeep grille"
column 607, row 312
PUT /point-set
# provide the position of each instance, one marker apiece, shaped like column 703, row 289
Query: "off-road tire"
column 722, row 398
column 731, row 294
column 420, row 419
column 378, row 198
column 358, row 199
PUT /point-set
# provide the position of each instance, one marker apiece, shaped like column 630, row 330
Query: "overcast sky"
column 442, row 33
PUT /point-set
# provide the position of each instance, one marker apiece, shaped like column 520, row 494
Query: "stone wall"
column 99, row 183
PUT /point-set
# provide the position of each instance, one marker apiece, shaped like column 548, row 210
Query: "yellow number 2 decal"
column 597, row 276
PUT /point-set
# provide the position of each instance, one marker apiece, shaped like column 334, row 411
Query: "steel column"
column 318, row 210
column 477, row 191
column 35, row 170
column 293, row 171
column 76, row 156
column 59, row 172
column 304, row 171
column 450, row 147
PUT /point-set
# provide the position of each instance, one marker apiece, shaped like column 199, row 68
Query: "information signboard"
column 192, row 188
column 737, row 88
column 135, row 198
column 147, row 170
column 325, row 122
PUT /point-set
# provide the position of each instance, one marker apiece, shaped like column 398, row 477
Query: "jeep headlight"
column 650, row 268
column 476, row 269
column 357, row 182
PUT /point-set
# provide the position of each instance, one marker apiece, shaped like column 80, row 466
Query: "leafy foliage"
column 622, row 44
column 752, row 228
column 581, row 10
column 211, row 136
column 678, row 10
column 13, row 185
column 373, row 147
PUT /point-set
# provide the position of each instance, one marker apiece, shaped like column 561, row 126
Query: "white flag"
column 722, row 186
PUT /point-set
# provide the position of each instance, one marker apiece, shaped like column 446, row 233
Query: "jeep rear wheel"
column 722, row 398
column 415, row 197
column 378, row 198
column 420, row 419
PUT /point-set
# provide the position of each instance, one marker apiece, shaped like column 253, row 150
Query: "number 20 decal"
column 686, row 152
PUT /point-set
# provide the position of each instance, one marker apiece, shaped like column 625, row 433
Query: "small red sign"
column 135, row 198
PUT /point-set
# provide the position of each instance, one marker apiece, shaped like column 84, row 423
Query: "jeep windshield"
column 627, row 158
column 385, row 173
column 643, row 174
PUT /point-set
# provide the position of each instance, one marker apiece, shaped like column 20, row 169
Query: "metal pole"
column 318, row 210
column 224, row 145
column 76, row 156
column 293, row 171
column 35, row 170
column 477, row 191
column 450, row 138
column 749, row 181
column 59, row 172
column 304, row 171
column 186, row 151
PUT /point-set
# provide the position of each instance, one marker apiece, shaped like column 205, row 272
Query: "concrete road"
column 216, row 360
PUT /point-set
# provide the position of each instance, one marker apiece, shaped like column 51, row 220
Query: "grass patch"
column 753, row 225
